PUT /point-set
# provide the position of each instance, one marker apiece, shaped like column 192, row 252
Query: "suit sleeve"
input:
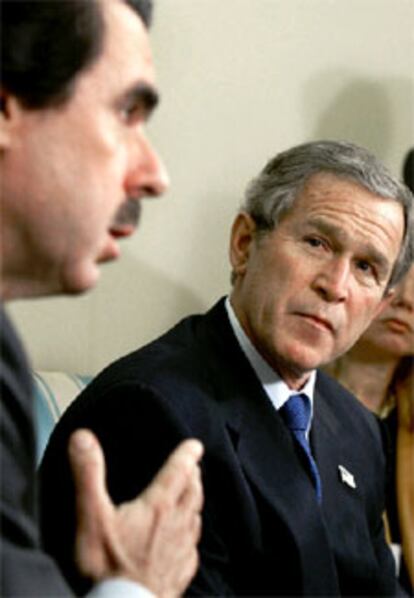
column 25, row 569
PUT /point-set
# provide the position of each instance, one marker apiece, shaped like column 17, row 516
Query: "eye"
column 366, row 268
column 315, row 242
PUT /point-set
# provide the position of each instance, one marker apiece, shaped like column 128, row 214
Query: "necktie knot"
column 296, row 412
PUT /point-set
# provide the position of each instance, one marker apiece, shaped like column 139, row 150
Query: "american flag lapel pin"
column 346, row 477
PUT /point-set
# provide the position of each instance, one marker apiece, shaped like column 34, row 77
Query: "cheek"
column 102, row 185
column 113, row 176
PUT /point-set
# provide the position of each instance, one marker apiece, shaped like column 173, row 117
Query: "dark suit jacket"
column 24, row 570
column 264, row 532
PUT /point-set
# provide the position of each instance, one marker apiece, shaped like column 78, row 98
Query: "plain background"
column 241, row 80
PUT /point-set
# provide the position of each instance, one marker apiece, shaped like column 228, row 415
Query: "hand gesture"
column 151, row 539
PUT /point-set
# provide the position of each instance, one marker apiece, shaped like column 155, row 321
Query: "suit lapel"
column 338, row 476
column 341, row 483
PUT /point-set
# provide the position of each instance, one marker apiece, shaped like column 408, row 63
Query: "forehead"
column 126, row 57
column 351, row 209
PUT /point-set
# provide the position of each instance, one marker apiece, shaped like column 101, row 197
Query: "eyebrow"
column 378, row 258
column 143, row 94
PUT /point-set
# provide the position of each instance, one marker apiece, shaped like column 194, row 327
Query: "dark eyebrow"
column 378, row 258
column 142, row 94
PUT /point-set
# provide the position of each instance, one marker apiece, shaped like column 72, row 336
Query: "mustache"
column 128, row 214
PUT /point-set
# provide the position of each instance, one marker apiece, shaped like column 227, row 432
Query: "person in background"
column 77, row 87
column 379, row 371
column 294, row 469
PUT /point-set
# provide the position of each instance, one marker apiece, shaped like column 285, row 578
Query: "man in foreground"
column 77, row 88
column 294, row 469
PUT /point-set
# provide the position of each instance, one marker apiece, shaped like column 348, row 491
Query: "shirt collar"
column 276, row 389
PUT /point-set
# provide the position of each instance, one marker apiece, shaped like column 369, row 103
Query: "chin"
column 308, row 359
column 80, row 280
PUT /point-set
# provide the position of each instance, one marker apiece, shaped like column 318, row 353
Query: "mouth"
column 123, row 225
column 318, row 322
column 112, row 249
column 397, row 325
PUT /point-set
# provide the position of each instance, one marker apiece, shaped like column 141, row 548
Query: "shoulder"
column 182, row 357
column 171, row 378
column 172, row 360
column 14, row 367
column 16, row 383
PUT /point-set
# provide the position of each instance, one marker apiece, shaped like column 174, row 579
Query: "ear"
column 10, row 111
column 241, row 239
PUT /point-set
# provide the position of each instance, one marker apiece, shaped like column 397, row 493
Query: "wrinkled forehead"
column 347, row 210
column 331, row 192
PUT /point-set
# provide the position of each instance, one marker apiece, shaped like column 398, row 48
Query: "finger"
column 88, row 466
column 173, row 478
column 192, row 498
column 93, row 506
column 88, row 469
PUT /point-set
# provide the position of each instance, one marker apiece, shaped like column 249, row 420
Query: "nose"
column 332, row 282
column 147, row 175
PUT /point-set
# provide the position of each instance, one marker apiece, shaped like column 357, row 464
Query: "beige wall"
column 241, row 80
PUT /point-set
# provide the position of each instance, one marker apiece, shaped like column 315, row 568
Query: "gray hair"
column 273, row 192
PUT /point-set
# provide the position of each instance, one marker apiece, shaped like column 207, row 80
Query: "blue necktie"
column 296, row 413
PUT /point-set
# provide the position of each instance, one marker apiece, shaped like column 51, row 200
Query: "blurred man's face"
column 307, row 290
column 68, row 172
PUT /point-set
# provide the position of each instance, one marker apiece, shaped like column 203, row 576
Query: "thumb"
column 93, row 506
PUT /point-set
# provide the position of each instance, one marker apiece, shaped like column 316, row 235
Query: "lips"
column 110, row 252
column 318, row 321
column 126, row 219
column 123, row 225
column 397, row 325
column 122, row 231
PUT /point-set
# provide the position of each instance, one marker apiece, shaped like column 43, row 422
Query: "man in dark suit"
column 294, row 468
column 77, row 86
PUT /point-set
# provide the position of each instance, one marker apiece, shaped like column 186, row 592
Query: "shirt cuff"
column 121, row 588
